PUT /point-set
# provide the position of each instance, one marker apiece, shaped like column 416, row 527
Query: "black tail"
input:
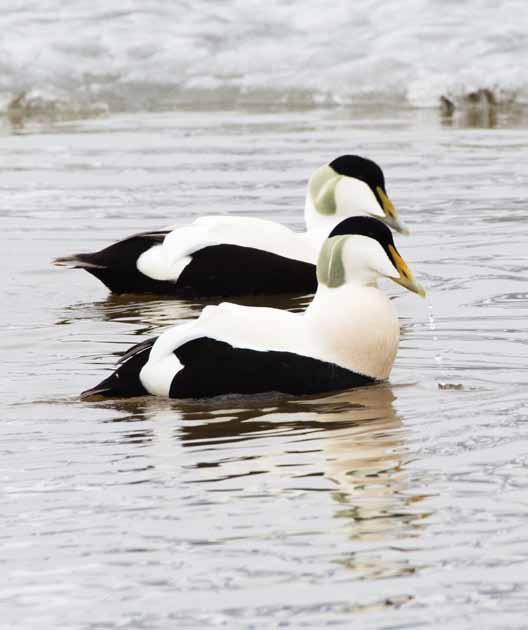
column 124, row 381
column 78, row 261
column 116, row 265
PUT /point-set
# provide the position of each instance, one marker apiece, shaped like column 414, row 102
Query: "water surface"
column 398, row 506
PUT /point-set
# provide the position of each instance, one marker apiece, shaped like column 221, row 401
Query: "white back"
column 167, row 261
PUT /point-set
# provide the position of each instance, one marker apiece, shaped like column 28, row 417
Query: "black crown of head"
column 365, row 226
column 361, row 168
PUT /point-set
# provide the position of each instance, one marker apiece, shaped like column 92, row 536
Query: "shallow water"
column 400, row 506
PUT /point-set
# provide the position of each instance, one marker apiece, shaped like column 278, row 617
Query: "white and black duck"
column 227, row 256
column 348, row 336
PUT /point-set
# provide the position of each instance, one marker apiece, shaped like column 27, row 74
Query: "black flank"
column 229, row 270
column 215, row 368
column 214, row 271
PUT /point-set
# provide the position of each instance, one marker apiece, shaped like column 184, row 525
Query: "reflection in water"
column 151, row 312
column 351, row 444
column 269, row 512
column 481, row 114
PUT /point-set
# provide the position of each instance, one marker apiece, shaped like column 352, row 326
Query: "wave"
column 88, row 59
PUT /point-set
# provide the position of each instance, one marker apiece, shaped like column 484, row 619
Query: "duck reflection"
column 150, row 313
column 480, row 110
column 351, row 444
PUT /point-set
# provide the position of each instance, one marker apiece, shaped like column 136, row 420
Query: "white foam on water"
column 147, row 54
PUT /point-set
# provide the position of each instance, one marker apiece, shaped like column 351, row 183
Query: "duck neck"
column 357, row 326
column 317, row 223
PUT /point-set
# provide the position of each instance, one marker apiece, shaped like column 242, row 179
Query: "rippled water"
column 399, row 506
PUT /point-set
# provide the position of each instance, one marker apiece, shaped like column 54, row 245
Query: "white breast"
column 356, row 327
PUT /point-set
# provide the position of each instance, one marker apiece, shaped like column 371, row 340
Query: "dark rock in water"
column 447, row 106
column 34, row 106
column 483, row 96
column 456, row 386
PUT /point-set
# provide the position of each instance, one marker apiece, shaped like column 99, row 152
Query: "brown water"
column 400, row 506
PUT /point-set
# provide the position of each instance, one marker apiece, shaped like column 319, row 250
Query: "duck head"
column 360, row 250
column 349, row 186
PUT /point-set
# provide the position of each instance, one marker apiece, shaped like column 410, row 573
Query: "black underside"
column 214, row 271
column 215, row 368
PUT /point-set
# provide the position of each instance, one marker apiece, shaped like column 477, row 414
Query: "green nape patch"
column 322, row 189
column 330, row 266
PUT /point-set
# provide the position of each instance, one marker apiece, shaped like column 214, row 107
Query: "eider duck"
column 347, row 337
column 220, row 256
